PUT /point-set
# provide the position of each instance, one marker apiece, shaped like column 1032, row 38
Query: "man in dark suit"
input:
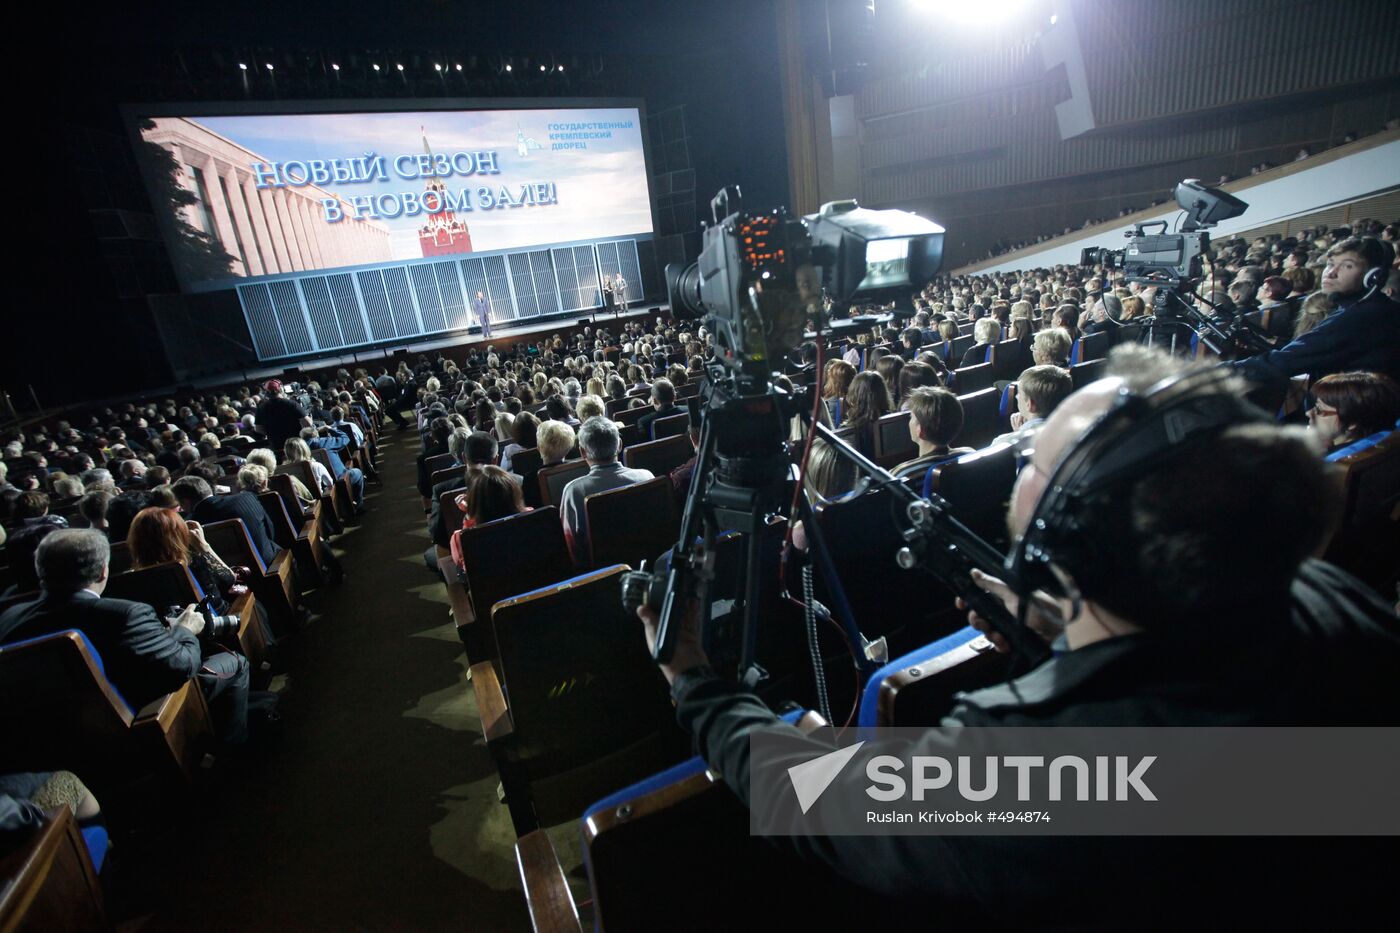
column 197, row 501
column 142, row 658
column 663, row 399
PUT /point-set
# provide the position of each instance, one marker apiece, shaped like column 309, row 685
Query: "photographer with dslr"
column 143, row 656
column 1196, row 605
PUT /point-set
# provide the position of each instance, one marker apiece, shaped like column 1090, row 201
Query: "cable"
column 814, row 644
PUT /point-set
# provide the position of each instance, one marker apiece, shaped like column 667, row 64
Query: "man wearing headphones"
column 1363, row 334
column 1171, row 526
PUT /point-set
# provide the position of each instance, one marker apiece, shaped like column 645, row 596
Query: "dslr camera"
column 217, row 625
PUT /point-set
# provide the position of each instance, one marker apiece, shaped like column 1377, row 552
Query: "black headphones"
column 1057, row 553
column 1374, row 278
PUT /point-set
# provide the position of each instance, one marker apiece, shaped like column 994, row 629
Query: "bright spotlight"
column 459, row 67
column 334, row 67
column 1054, row 18
column 242, row 66
column 988, row 13
column 541, row 68
column 437, row 67
column 508, row 68
column 269, row 66
column 561, row 67
column 399, row 67
column 376, row 67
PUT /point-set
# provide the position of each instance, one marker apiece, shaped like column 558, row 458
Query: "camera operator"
column 1199, row 607
column 1363, row 333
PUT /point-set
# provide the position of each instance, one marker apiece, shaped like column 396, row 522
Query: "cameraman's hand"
column 190, row 619
column 1045, row 617
column 688, row 653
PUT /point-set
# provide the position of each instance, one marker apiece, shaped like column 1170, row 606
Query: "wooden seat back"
column 981, row 418
column 971, row 379
column 525, row 461
column 1083, row 374
column 670, row 426
column 588, row 708
column 631, row 524
column 505, row 558
column 893, row 445
column 661, row 456
column 59, row 711
column 437, row 462
column 977, row 486
column 863, row 540
column 553, row 479
column 49, row 882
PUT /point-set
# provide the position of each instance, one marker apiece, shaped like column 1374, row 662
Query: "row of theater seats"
column 58, row 710
column 553, row 663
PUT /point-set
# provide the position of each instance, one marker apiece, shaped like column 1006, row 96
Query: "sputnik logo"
column 811, row 778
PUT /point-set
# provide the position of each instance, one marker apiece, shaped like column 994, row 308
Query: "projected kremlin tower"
column 443, row 233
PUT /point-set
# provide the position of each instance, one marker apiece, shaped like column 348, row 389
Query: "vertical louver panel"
column 381, row 321
column 322, row 311
column 287, row 300
column 262, row 320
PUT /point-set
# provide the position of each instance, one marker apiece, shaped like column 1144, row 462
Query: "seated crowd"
column 974, row 377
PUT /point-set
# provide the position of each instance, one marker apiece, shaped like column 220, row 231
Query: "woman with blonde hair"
column 1313, row 311
column 297, row 451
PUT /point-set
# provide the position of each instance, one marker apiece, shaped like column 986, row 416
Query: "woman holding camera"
column 161, row 536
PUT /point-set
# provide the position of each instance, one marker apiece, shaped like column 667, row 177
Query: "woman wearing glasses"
column 1350, row 406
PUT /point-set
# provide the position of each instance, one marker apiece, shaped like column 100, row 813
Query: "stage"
column 460, row 342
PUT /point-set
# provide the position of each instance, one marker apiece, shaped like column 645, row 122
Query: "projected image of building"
column 443, row 233
column 267, row 231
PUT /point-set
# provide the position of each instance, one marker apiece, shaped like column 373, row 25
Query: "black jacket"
column 438, row 528
column 1337, row 663
column 143, row 659
column 645, row 422
column 246, row 506
column 1359, row 336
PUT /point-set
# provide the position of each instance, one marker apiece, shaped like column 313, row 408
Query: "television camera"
column 1174, row 264
column 757, row 284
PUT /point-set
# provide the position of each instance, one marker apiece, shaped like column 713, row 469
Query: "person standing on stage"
column 607, row 294
column 483, row 314
column 620, row 294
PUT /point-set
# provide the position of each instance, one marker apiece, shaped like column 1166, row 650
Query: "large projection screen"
column 347, row 225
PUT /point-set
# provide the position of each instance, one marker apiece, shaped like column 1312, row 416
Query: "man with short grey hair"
column 142, row 657
column 599, row 441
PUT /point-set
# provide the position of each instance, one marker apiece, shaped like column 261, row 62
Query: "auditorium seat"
column 58, row 710
column 972, row 379
column 978, row 487
column 632, row 415
column 275, row 584
column 981, row 417
column 628, row 435
column 574, row 707
column 445, row 474
column 1089, row 347
column 49, row 881
column 1367, row 539
column 632, row 523
column 683, row 823
column 525, row 461
column 120, row 560
column 1005, row 360
column 1090, row 371
column 893, row 445
column 917, row 689
column 670, row 426
column 303, row 541
column 325, row 507
column 863, row 538
column 504, row 558
column 553, row 479
column 660, row 457
column 342, row 493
